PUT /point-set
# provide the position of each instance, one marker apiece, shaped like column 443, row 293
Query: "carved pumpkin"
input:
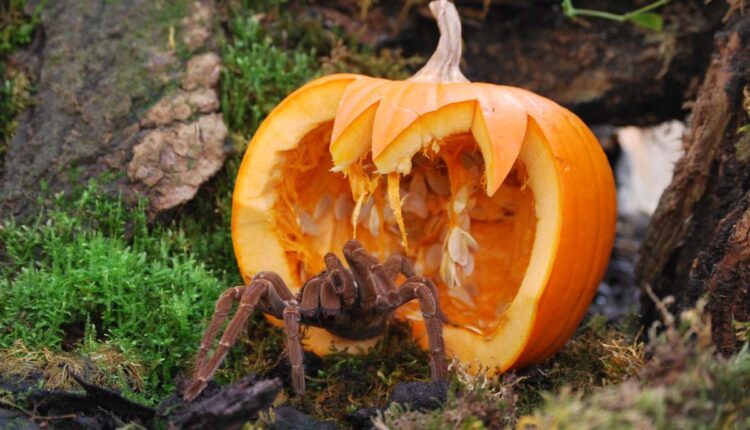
column 501, row 196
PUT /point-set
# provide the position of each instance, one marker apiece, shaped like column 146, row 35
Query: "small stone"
column 422, row 396
column 362, row 418
column 15, row 420
column 289, row 418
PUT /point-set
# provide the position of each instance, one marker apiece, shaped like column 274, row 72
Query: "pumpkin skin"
column 356, row 136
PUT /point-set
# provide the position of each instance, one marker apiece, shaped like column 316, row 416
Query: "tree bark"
column 698, row 243
column 121, row 90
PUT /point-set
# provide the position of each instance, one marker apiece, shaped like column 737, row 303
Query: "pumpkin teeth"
column 404, row 166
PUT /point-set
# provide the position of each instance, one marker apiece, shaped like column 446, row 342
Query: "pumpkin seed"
column 374, row 221
column 417, row 186
column 438, row 182
column 322, row 207
column 416, row 204
column 343, row 206
column 307, row 224
column 432, row 258
column 468, row 268
column 457, row 247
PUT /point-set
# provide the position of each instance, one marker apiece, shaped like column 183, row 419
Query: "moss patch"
column 93, row 270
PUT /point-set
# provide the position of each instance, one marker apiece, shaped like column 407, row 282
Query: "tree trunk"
column 120, row 90
column 698, row 243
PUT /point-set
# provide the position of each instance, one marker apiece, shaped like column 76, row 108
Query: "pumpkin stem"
column 444, row 64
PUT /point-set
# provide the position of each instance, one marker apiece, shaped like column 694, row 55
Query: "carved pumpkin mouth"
column 475, row 247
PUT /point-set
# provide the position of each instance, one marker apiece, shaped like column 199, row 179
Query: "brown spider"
column 355, row 304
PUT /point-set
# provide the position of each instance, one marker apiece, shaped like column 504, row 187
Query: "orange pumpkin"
column 501, row 196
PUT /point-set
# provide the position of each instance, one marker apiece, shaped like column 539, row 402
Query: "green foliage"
column 94, row 265
column 258, row 74
column 16, row 30
column 643, row 17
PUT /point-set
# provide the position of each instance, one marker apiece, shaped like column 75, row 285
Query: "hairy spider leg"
column 309, row 298
column 294, row 347
column 424, row 290
column 361, row 263
column 223, row 306
column 396, row 264
column 267, row 290
column 342, row 279
column 281, row 303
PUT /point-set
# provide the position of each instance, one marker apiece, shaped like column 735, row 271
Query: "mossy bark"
column 99, row 65
column 698, row 242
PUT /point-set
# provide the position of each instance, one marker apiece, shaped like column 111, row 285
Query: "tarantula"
column 353, row 303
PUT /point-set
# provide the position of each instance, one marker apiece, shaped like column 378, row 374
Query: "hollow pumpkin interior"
column 317, row 210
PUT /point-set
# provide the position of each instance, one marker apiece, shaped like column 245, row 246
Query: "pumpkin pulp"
column 475, row 247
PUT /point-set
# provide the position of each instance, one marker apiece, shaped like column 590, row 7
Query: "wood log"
column 231, row 407
column 698, row 242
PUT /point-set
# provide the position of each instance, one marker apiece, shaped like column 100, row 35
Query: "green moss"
column 94, row 265
column 597, row 355
column 258, row 74
column 710, row 392
column 16, row 30
column 684, row 385
column 16, row 27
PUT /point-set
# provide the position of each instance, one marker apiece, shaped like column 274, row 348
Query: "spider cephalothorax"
column 354, row 303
